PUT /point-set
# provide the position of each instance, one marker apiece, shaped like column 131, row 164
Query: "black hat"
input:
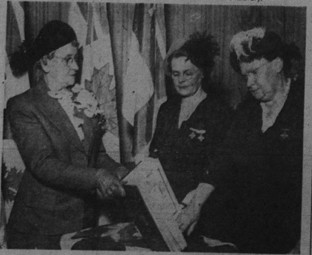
column 200, row 48
column 52, row 36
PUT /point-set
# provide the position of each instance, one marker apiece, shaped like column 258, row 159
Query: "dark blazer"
column 257, row 177
column 57, row 191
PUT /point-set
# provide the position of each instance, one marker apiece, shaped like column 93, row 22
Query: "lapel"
column 293, row 109
column 54, row 113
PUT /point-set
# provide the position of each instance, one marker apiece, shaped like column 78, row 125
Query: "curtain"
column 124, row 46
column 154, row 27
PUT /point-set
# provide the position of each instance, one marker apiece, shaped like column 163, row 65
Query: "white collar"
column 199, row 96
column 189, row 104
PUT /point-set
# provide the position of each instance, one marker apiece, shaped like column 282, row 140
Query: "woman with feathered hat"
column 190, row 124
column 256, row 178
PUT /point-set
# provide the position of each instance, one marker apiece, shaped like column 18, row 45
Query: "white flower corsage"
column 85, row 101
column 78, row 100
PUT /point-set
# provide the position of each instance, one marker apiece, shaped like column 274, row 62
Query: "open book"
column 159, row 199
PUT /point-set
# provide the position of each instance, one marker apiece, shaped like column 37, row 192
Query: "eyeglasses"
column 69, row 60
column 255, row 72
column 189, row 74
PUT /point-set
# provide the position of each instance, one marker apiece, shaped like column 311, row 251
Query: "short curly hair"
column 257, row 43
column 200, row 48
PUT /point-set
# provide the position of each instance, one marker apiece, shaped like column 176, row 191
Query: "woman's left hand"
column 189, row 217
column 194, row 200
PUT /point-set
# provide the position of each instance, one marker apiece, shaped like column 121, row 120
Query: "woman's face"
column 262, row 78
column 62, row 68
column 186, row 76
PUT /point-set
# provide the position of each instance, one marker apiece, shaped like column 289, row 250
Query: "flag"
column 13, row 166
column 78, row 23
column 138, row 82
column 143, row 82
column 97, row 67
column 14, row 86
column 160, row 55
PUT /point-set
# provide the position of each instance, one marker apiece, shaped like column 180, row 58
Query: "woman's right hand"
column 108, row 185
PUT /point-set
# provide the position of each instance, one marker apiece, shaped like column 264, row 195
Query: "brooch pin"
column 199, row 132
column 285, row 133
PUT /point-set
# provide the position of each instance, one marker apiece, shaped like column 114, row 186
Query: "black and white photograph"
column 156, row 126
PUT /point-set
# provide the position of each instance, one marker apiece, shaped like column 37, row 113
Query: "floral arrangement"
column 85, row 101
column 78, row 99
column 245, row 39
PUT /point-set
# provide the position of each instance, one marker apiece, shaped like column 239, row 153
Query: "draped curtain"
column 138, row 36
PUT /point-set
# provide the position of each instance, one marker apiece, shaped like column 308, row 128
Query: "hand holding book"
column 108, row 185
column 159, row 199
column 193, row 202
column 189, row 215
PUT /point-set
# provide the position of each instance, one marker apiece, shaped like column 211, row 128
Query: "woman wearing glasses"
column 256, row 178
column 54, row 126
column 190, row 124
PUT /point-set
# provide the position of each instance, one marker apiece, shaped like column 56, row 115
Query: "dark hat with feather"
column 257, row 43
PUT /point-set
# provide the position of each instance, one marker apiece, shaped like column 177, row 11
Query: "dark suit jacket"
column 257, row 177
column 184, row 153
column 57, row 191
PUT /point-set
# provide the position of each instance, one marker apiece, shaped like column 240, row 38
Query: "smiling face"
column 61, row 69
column 263, row 79
column 186, row 76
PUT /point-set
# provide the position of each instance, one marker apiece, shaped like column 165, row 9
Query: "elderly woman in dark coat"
column 57, row 138
column 256, row 179
column 190, row 124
